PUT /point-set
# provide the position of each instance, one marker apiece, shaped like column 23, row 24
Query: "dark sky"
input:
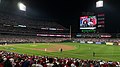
column 67, row 12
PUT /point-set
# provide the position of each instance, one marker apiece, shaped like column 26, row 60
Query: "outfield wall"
column 106, row 43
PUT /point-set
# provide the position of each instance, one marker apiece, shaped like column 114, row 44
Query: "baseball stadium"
column 28, row 40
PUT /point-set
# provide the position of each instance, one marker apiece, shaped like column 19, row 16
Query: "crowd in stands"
column 28, row 39
column 10, row 59
column 98, row 39
column 10, row 23
column 94, row 35
column 31, row 39
column 29, row 22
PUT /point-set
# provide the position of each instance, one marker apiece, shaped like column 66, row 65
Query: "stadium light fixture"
column 99, row 3
column 21, row 6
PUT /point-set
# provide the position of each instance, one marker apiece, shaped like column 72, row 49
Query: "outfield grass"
column 82, row 51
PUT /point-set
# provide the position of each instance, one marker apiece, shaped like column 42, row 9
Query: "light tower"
column 21, row 6
column 99, row 3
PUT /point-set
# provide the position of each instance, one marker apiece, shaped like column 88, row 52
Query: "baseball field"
column 70, row 50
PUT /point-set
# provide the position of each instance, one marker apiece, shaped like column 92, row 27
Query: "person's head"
column 84, row 22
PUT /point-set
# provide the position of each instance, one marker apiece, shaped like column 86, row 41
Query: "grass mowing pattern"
column 82, row 51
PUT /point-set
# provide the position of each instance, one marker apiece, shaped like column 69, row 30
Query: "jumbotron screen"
column 88, row 22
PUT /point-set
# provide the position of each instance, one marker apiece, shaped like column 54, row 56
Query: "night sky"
column 67, row 12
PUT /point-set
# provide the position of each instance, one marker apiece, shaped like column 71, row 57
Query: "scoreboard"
column 92, row 23
column 88, row 24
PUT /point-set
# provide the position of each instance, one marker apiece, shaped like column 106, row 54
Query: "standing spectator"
column 7, row 63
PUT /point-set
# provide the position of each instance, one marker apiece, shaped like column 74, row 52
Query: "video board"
column 88, row 22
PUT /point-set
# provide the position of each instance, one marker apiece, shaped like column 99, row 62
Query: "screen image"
column 88, row 22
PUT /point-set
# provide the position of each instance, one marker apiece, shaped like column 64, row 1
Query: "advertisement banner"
column 103, row 43
column 89, row 42
column 82, row 41
column 98, row 43
column 119, row 44
column 115, row 43
column 109, row 43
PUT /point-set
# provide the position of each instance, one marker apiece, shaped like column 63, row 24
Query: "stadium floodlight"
column 99, row 3
column 21, row 6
